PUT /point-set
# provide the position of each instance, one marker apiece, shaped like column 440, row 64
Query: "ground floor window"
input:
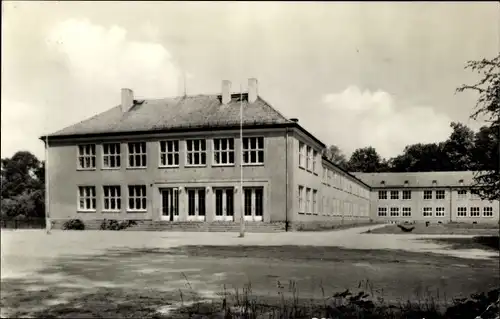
column 406, row 211
column 439, row 211
column 474, row 211
column 487, row 211
column 254, row 203
column 382, row 211
column 394, row 211
column 86, row 198
column 137, row 198
column 427, row 212
column 224, row 203
column 112, row 198
column 170, row 203
column 462, row 211
column 196, row 204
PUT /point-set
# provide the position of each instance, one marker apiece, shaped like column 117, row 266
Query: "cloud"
column 364, row 118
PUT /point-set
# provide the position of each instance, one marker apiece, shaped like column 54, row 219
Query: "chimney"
column 252, row 90
column 127, row 100
column 226, row 91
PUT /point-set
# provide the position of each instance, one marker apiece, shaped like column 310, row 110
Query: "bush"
column 74, row 224
column 113, row 224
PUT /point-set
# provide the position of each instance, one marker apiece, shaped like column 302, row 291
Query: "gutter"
column 286, row 179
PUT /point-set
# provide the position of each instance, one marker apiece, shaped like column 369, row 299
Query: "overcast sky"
column 355, row 74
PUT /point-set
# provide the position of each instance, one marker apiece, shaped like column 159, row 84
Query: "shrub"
column 112, row 224
column 74, row 224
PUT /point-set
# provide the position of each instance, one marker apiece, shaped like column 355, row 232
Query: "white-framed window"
column 382, row 211
column 112, row 198
column 474, row 196
column 315, row 155
column 86, row 198
column 427, row 195
column 488, row 211
column 324, row 177
column 474, row 212
column 394, row 194
column 382, row 194
column 196, row 152
column 302, row 155
column 308, row 201
column 440, row 194
column 253, row 150
column 111, row 155
column 301, row 199
column 439, row 211
column 406, row 211
column 462, row 194
column 169, row 153
column 427, row 212
column 315, row 202
column 137, row 154
column 137, row 200
column 394, row 211
column 329, row 176
column 462, row 211
column 86, row 156
column 223, row 151
column 309, row 158
column 406, row 195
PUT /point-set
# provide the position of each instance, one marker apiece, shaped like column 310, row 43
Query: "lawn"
column 444, row 229
column 120, row 274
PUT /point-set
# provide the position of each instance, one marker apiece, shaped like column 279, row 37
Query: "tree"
column 365, row 160
column 334, row 154
column 458, row 148
column 487, row 178
column 421, row 158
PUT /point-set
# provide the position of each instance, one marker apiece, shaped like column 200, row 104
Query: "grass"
column 478, row 242
column 446, row 229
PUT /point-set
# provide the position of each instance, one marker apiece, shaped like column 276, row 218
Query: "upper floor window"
column 302, row 155
column 382, row 194
column 137, row 154
column 169, row 153
column 196, row 152
column 406, row 194
column 86, row 156
column 394, row 194
column 427, row 194
column 253, row 150
column 309, row 158
column 315, row 155
column 462, row 193
column 440, row 194
column 86, row 198
column 111, row 155
column 223, row 151
column 137, row 199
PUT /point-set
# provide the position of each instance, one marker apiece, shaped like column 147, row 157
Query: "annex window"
column 196, row 152
column 223, row 151
column 315, row 155
column 169, row 153
column 440, row 194
column 253, row 150
column 474, row 211
column 462, row 193
column 406, row 211
column 112, row 198
column 301, row 199
column 111, row 155
column 427, row 212
column 462, row 211
column 137, row 200
column 382, row 211
column 86, row 156
column 382, row 194
column 309, row 158
column 439, row 211
column 394, row 194
column 315, row 202
column 394, row 211
column 487, row 211
column 86, row 198
column 406, row 195
column 137, row 154
column 308, row 201
column 427, row 195
column 302, row 155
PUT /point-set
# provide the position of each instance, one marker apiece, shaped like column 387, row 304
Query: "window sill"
column 86, row 211
column 111, row 211
column 136, row 211
column 252, row 164
column 110, row 168
column 302, row 167
column 223, row 165
column 86, row 169
column 136, row 167
column 169, row 166
column 195, row 166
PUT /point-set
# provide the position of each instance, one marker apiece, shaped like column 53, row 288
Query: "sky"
column 354, row 74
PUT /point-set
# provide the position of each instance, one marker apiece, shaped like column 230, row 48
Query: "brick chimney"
column 127, row 100
column 226, row 91
column 252, row 90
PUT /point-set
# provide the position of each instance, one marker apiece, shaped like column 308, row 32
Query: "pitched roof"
column 418, row 179
column 178, row 112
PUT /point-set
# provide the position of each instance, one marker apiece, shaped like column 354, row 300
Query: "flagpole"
column 47, row 188
column 242, row 203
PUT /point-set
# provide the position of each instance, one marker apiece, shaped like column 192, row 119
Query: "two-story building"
column 202, row 160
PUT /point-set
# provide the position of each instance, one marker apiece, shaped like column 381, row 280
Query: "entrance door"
column 224, row 204
column 196, row 204
column 169, row 204
column 254, row 203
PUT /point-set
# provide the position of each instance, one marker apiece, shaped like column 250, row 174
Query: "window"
column 427, row 212
column 315, row 155
column 137, row 154
column 462, row 211
column 86, row 156
column 253, row 150
column 196, row 204
column 406, row 211
column 474, row 196
column 487, row 211
column 169, row 153
column 394, row 211
column 254, row 204
column 474, row 211
column 382, row 194
column 309, row 158
column 462, row 194
column 112, row 198
column 382, row 211
column 169, row 204
column 406, row 195
column 223, row 151
column 315, row 202
column 308, row 201
column 427, row 195
column 440, row 194
column 137, row 198
column 302, row 155
column 86, row 198
column 301, row 199
column 224, row 204
column 394, row 194
column 439, row 211
column 111, row 155
column 196, row 152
